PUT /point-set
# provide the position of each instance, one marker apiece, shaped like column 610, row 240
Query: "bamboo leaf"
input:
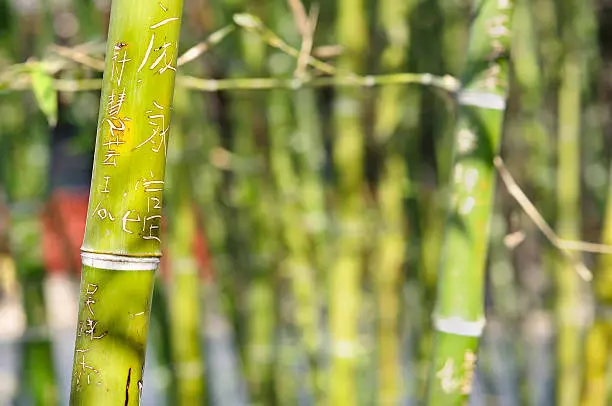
column 45, row 94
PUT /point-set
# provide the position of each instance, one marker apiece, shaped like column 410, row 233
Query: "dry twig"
column 566, row 247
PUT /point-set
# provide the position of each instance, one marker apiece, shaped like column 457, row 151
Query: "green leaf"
column 45, row 94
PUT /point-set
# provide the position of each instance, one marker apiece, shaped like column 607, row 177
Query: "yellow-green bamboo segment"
column 459, row 313
column 294, row 134
column 24, row 177
column 348, row 155
column 595, row 383
column 27, row 143
column 390, row 251
column 568, row 226
column 253, row 194
column 184, row 285
column 298, row 263
column 121, row 247
column 596, row 362
column 568, row 282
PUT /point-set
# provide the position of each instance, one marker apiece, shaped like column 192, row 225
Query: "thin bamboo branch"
column 202, row 47
column 532, row 212
column 446, row 83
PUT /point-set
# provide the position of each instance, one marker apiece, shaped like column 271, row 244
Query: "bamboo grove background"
column 306, row 247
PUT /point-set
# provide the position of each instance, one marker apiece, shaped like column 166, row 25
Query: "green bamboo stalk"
column 26, row 187
column 348, row 155
column 568, row 226
column 390, row 251
column 455, row 20
column 296, row 159
column 501, row 351
column 26, row 190
column 598, row 339
column 121, row 247
column 529, row 133
column 299, row 267
column 568, row 221
column 459, row 312
column 256, row 226
column 295, row 263
column 159, row 339
column 210, row 166
column 312, row 214
column 184, row 289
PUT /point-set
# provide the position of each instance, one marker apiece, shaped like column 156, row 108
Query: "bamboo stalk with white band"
column 459, row 311
column 122, row 246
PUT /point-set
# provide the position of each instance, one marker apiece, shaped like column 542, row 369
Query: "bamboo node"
column 484, row 100
column 346, row 349
column 118, row 262
column 459, row 326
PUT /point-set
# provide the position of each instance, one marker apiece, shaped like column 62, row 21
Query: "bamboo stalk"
column 390, row 250
column 568, row 226
column 294, row 134
column 121, row 247
column 598, row 338
column 298, row 264
column 459, row 312
column 455, row 20
column 348, row 154
column 255, row 226
column 27, row 160
column 184, row 289
column 159, row 339
column 26, row 191
column 569, row 301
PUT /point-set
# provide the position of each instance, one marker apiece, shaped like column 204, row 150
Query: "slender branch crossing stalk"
column 122, row 247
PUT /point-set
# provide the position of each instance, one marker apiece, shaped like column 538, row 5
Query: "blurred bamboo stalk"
column 569, row 301
column 27, row 189
column 568, row 226
column 389, row 257
column 455, row 20
column 296, row 160
column 348, row 156
column 598, row 339
column 26, row 192
column 459, row 313
column 184, row 286
column 595, row 391
column 256, row 228
column 595, row 380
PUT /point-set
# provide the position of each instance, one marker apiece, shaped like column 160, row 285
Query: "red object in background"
column 199, row 248
column 63, row 228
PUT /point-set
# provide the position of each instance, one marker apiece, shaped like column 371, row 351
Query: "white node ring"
column 118, row 262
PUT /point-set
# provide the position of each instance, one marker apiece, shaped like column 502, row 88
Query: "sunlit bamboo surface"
column 373, row 202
